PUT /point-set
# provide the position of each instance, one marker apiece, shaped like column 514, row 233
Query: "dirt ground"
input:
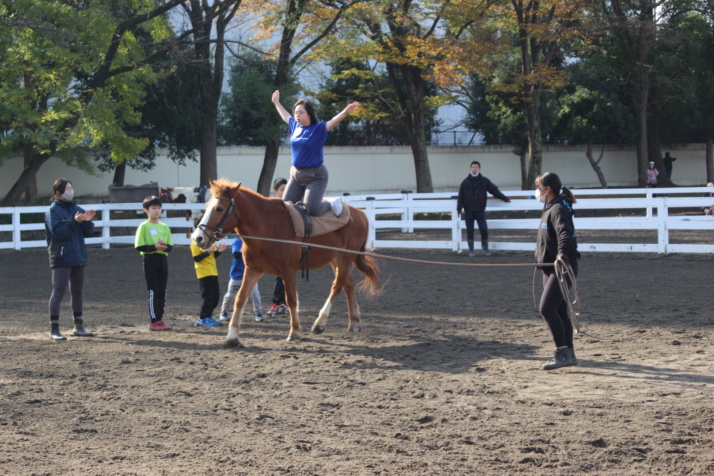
column 443, row 379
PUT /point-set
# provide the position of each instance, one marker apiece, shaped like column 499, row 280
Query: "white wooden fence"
column 641, row 210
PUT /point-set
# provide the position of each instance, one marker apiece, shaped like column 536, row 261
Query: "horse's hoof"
column 317, row 329
column 294, row 338
column 230, row 343
column 354, row 329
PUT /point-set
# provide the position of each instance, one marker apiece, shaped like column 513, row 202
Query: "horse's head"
column 219, row 216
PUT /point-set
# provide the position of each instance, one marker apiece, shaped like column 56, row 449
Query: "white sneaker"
column 337, row 206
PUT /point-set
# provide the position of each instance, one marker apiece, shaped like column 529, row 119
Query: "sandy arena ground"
column 444, row 378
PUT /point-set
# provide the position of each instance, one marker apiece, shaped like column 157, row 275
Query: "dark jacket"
column 65, row 237
column 472, row 194
column 556, row 233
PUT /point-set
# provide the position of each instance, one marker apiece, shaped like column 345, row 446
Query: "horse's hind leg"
column 291, row 299
column 343, row 280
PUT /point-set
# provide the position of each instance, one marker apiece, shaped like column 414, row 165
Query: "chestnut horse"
column 252, row 215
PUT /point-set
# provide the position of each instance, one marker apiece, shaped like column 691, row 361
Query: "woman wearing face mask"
column 308, row 174
column 556, row 240
column 67, row 225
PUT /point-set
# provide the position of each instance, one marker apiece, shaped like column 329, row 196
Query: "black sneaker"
column 562, row 358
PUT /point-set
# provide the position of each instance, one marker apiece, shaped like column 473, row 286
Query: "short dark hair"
column 151, row 201
column 477, row 163
column 59, row 186
column 278, row 182
column 309, row 109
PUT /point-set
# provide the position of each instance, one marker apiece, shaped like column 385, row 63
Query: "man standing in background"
column 668, row 159
column 472, row 201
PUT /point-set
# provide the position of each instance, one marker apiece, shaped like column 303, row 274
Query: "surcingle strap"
column 305, row 256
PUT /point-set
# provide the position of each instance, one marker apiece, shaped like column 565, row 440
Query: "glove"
column 561, row 256
column 507, row 200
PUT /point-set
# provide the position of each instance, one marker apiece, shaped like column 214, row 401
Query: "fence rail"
column 660, row 210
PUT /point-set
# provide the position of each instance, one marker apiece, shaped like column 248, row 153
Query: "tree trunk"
column 709, row 157
column 119, row 174
column 595, row 164
column 654, row 152
column 524, row 172
column 28, row 175
column 31, row 195
column 535, row 142
column 270, row 161
column 640, row 106
column 408, row 85
column 209, row 163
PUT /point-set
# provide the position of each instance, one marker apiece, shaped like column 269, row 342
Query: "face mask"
column 539, row 197
column 67, row 196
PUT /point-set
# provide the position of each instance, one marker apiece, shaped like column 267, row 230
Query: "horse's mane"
column 223, row 187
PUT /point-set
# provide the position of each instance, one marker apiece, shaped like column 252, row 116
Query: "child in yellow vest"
column 207, row 274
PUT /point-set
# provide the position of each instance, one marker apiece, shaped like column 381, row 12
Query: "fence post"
column 407, row 213
column 371, row 217
column 649, row 197
column 106, row 227
column 662, row 229
column 16, row 234
column 455, row 228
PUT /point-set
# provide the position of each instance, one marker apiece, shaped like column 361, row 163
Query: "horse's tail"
column 368, row 266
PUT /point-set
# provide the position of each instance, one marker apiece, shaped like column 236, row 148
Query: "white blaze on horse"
column 252, row 215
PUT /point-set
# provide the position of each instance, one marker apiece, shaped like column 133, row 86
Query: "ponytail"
column 550, row 179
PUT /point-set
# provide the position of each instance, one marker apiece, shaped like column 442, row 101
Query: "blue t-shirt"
column 237, row 266
column 306, row 143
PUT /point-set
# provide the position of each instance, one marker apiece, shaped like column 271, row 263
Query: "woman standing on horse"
column 308, row 174
column 556, row 242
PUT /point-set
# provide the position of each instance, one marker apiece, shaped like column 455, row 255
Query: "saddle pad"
column 320, row 225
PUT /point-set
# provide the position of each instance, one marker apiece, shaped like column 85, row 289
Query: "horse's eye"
column 219, row 209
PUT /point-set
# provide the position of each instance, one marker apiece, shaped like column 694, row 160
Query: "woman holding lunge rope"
column 556, row 243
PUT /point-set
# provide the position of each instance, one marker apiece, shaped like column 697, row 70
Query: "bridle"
column 217, row 231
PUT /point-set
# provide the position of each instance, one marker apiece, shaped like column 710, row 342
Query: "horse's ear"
column 238, row 186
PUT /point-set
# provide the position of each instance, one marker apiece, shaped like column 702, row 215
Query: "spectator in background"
column 472, row 201
column 668, row 159
column 278, row 306
column 708, row 210
column 652, row 174
column 66, row 225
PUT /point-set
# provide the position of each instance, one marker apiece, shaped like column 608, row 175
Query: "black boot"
column 562, row 358
column 484, row 247
column 80, row 331
column 471, row 248
column 55, row 333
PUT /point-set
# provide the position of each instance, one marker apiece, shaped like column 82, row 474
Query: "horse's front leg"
column 249, row 279
column 291, row 299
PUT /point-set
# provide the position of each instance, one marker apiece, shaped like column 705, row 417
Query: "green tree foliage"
column 381, row 120
column 247, row 115
column 73, row 77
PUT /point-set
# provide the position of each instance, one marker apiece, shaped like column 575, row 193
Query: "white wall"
column 383, row 169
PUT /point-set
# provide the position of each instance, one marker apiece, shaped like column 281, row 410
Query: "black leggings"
column 554, row 308
column 62, row 277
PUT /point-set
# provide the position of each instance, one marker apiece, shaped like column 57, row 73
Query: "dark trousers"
column 210, row 292
column 63, row 277
column 279, row 291
column 480, row 218
column 156, row 271
column 554, row 308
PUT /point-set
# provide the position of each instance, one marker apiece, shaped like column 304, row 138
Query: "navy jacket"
column 556, row 233
column 65, row 237
column 472, row 194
